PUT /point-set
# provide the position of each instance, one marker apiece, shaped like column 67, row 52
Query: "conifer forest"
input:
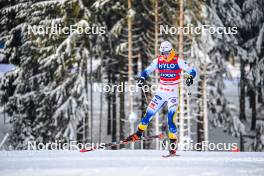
column 69, row 71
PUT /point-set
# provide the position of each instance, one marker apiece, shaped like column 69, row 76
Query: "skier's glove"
column 140, row 82
column 189, row 81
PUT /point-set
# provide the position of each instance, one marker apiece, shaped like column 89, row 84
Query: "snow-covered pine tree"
column 50, row 99
column 210, row 53
column 109, row 13
column 251, row 33
column 68, row 85
column 10, row 29
column 247, row 16
column 17, row 51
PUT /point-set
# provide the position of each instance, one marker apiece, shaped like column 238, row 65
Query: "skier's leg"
column 172, row 109
column 154, row 106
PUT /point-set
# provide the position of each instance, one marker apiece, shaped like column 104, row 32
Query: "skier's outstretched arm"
column 183, row 65
column 147, row 71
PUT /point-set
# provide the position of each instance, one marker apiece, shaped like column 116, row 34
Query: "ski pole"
column 189, row 92
column 145, row 95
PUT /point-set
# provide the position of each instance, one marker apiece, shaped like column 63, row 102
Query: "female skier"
column 169, row 66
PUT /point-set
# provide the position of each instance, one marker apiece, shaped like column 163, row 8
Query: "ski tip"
column 83, row 150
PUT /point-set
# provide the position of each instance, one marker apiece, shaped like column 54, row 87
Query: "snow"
column 234, row 71
column 6, row 68
column 129, row 162
column 100, row 4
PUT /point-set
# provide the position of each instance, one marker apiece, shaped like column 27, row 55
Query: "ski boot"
column 173, row 145
column 135, row 137
column 172, row 149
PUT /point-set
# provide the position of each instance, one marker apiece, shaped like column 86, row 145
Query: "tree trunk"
column 253, row 103
column 86, row 118
column 205, row 116
column 252, row 96
column 260, row 98
column 100, row 116
column 122, row 115
column 109, row 100
column 157, row 130
column 130, row 97
column 101, row 103
column 181, row 85
column 200, row 117
column 242, row 99
column 91, row 98
column 114, row 111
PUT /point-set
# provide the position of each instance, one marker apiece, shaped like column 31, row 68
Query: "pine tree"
column 252, row 32
column 50, row 99
column 210, row 53
column 247, row 16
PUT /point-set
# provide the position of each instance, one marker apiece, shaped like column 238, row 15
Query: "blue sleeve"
column 147, row 71
column 186, row 68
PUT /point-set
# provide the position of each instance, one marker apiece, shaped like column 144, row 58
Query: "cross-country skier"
column 169, row 66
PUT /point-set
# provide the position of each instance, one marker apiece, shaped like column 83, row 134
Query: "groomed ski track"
column 130, row 163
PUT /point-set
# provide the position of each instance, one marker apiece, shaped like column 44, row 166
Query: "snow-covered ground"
column 129, row 163
column 6, row 68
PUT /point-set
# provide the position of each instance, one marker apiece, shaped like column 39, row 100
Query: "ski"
column 113, row 144
column 169, row 155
